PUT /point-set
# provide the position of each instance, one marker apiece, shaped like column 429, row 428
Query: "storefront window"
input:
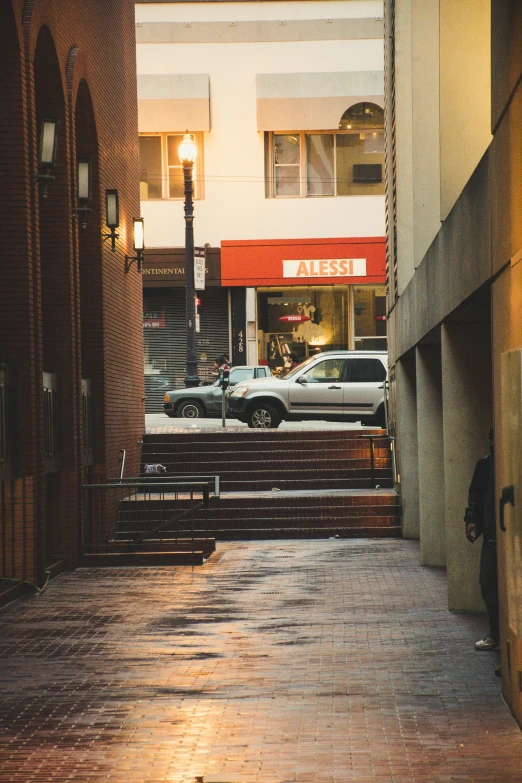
column 296, row 323
column 300, row 322
column 369, row 318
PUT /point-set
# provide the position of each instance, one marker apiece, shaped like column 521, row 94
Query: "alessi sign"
column 299, row 319
column 325, row 267
column 305, row 262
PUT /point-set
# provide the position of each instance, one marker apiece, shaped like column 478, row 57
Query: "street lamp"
column 187, row 155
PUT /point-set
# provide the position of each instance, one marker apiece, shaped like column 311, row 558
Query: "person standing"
column 480, row 521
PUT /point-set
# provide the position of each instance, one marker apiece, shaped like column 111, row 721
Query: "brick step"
column 164, row 544
column 290, row 480
column 241, row 435
column 355, row 500
column 226, row 532
column 339, row 447
column 246, row 534
column 251, row 511
column 280, row 523
column 204, row 451
column 265, row 461
column 118, row 559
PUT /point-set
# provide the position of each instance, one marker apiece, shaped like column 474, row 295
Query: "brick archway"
column 90, row 266
column 60, row 334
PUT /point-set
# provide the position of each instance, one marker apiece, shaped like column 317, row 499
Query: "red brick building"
column 71, row 346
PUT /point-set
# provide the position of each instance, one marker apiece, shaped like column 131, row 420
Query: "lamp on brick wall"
column 112, row 217
column 187, row 154
column 83, row 189
column 138, row 243
column 47, row 148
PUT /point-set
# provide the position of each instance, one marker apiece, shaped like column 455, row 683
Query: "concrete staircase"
column 282, row 483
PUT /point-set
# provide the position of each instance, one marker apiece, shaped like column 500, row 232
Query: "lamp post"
column 187, row 156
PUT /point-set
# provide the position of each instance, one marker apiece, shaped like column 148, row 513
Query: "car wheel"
column 263, row 416
column 191, row 409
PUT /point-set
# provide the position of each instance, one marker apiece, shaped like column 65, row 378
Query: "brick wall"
column 66, row 304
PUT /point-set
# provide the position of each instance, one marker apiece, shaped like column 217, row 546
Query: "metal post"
column 192, row 378
column 223, row 407
column 385, row 386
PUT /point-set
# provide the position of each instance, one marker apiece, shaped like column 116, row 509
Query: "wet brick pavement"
column 302, row 661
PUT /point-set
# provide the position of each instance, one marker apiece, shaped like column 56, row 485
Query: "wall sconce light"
column 138, row 243
column 112, row 217
column 83, row 189
column 47, row 153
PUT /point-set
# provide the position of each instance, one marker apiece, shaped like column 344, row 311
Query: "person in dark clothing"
column 480, row 521
column 220, row 362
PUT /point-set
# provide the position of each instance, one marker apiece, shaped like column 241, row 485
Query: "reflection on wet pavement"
column 278, row 661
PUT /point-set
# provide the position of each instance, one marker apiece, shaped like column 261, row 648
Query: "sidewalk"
column 299, row 661
column 156, row 421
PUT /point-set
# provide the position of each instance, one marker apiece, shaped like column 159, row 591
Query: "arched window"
column 362, row 115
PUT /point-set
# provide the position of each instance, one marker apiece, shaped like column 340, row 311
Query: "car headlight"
column 167, row 398
column 240, row 391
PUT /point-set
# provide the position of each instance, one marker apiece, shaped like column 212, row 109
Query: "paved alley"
column 275, row 662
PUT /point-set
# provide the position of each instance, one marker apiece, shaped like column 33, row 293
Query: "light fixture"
column 138, row 243
column 112, row 217
column 83, row 189
column 187, row 150
column 47, row 148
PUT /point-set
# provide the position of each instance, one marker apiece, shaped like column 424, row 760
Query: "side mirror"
column 302, row 379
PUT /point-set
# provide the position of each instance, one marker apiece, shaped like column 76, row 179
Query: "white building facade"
column 285, row 103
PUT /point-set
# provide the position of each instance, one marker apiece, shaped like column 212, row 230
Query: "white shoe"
column 488, row 643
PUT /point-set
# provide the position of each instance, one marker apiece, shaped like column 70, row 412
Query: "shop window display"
column 333, row 318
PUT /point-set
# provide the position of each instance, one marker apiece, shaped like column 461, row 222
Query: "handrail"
column 372, row 438
column 197, row 490
column 158, row 480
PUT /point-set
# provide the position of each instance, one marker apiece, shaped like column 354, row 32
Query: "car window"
column 296, row 370
column 241, row 374
column 366, row 370
column 327, row 371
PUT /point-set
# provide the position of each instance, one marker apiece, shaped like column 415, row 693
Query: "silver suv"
column 335, row 386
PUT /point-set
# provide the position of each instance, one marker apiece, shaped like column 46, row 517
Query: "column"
column 467, row 415
column 406, row 416
column 432, row 517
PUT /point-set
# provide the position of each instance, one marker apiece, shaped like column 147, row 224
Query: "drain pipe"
column 123, row 457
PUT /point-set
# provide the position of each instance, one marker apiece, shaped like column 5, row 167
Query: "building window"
column 345, row 162
column 161, row 173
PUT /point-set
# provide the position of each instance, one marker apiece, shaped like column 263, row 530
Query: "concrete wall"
column 442, row 88
column 235, row 206
column 457, row 263
column 404, row 143
column 465, row 93
column 432, row 516
column 426, row 126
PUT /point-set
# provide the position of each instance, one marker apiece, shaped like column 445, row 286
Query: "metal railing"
column 373, row 457
column 146, row 512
